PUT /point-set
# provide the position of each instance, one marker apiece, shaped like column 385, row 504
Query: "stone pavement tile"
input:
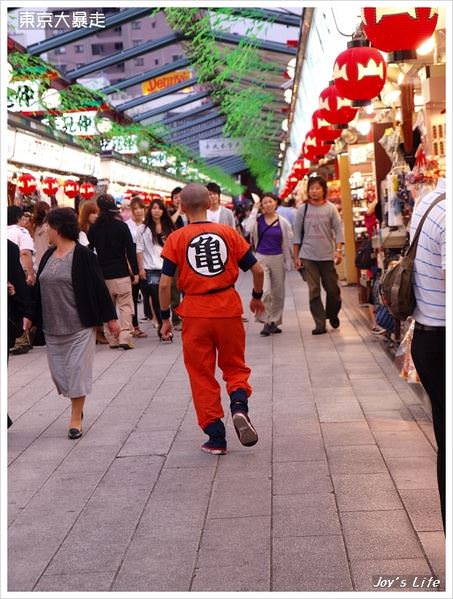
column 44, row 528
column 328, row 379
column 365, row 492
column 346, row 433
column 434, row 547
column 78, row 582
column 240, row 495
column 380, row 535
column 380, row 402
column 305, row 446
column 246, row 460
column 423, row 507
column 244, row 540
column 100, row 536
column 360, row 459
column 232, row 578
column 391, row 422
column 186, row 453
column 156, row 418
column 334, row 394
column 403, row 443
column 305, row 515
column 363, row 571
column 287, row 424
column 381, row 418
column 301, row 477
column 310, row 564
column 188, row 484
column 148, row 443
column 341, row 411
column 413, row 472
column 428, row 430
column 157, row 564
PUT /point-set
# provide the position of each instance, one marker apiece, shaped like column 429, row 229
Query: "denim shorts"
column 153, row 277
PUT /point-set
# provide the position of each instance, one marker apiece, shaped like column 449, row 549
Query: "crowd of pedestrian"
column 77, row 279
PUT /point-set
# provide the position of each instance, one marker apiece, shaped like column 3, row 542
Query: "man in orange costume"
column 208, row 257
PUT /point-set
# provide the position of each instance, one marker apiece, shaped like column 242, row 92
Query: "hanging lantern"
column 333, row 108
column 127, row 195
column 50, row 186
column 71, row 188
column 324, row 130
column 26, row 184
column 397, row 31
column 313, row 148
column 359, row 73
column 300, row 169
column 87, row 191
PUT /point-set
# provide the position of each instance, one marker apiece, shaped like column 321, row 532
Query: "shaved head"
column 194, row 197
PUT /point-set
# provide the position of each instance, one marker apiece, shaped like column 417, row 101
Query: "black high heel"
column 75, row 433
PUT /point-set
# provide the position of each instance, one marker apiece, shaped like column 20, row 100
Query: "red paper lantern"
column 26, row 184
column 335, row 109
column 324, row 130
column 313, row 148
column 87, row 191
column 399, row 31
column 299, row 168
column 50, row 186
column 359, row 73
column 71, row 188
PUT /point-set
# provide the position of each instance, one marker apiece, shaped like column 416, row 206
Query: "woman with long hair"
column 112, row 240
column 88, row 213
column 39, row 231
column 137, row 212
column 150, row 241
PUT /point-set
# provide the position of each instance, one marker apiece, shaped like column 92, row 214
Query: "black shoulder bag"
column 301, row 270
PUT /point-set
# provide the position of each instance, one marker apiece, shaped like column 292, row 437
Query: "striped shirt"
column 430, row 260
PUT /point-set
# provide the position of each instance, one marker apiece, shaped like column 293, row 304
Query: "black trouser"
column 154, row 295
column 135, row 292
column 428, row 353
column 324, row 272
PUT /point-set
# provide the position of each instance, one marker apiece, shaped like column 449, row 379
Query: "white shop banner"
column 75, row 123
column 219, row 146
column 23, row 96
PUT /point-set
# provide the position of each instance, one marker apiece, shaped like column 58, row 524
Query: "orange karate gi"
column 207, row 256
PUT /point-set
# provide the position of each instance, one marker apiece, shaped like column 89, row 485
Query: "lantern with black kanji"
column 359, row 73
column 313, row 148
column 26, row 184
column 71, row 188
column 397, row 30
column 87, row 191
column 324, row 130
column 333, row 108
column 299, row 168
column 50, row 186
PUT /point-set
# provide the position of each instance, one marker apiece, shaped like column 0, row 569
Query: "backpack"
column 365, row 257
column 396, row 286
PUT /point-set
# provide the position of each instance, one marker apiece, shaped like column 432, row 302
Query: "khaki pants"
column 274, row 286
column 121, row 294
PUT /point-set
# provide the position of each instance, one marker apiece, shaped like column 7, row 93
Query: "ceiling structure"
column 198, row 108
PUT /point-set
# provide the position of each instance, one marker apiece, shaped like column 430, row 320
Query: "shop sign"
column 211, row 148
column 79, row 162
column 32, row 150
column 23, row 96
column 123, row 144
column 11, row 137
column 76, row 123
column 164, row 81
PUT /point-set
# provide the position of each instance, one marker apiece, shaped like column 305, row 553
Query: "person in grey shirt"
column 318, row 252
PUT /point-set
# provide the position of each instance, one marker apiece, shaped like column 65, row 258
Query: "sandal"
column 139, row 333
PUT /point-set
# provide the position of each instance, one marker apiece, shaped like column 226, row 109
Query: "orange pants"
column 202, row 340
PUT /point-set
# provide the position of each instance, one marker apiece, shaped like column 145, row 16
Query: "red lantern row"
column 27, row 185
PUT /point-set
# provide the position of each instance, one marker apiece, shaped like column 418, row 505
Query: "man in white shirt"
column 22, row 238
column 428, row 344
column 216, row 212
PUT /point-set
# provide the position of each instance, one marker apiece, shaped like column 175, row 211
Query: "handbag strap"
column 413, row 246
column 266, row 228
column 302, row 231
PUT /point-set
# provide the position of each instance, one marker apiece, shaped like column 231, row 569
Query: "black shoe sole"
column 319, row 331
column 74, row 433
column 245, row 431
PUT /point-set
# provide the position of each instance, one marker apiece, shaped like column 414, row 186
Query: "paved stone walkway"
column 340, row 487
